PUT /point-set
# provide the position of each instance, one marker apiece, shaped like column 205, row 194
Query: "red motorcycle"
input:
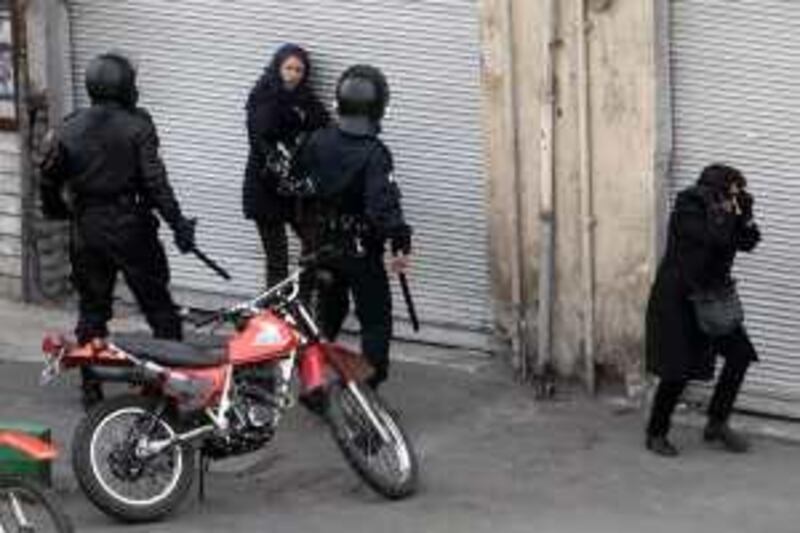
column 134, row 455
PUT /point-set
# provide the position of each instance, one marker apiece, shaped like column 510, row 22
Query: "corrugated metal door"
column 736, row 99
column 198, row 60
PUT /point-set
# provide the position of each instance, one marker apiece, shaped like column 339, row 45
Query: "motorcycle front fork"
column 366, row 406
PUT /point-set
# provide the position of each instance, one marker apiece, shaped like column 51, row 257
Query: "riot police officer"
column 350, row 171
column 102, row 170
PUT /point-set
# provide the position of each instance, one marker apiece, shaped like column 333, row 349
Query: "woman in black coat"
column 710, row 222
column 282, row 110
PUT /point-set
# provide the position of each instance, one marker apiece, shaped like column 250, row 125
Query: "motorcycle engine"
column 253, row 415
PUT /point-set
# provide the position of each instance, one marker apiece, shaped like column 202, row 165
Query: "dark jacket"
column 276, row 115
column 702, row 243
column 107, row 155
column 353, row 178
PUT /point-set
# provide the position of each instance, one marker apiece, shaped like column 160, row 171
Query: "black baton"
column 412, row 311
column 210, row 263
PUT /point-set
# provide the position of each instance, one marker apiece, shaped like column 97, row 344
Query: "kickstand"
column 205, row 463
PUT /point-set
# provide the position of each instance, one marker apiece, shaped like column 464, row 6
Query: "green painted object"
column 13, row 462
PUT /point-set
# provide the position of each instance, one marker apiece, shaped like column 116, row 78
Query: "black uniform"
column 106, row 159
column 359, row 211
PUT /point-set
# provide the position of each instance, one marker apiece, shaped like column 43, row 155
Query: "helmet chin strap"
column 359, row 125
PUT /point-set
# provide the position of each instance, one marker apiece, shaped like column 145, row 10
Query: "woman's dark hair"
column 720, row 177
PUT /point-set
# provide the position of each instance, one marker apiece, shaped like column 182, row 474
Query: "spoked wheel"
column 30, row 508
column 372, row 440
column 119, row 471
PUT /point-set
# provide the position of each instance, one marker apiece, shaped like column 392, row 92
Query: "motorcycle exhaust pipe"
column 156, row 447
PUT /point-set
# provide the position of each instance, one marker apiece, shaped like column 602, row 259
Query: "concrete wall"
column 43, row 63
column 10, row 216
column 622, row 57
column 499, row 125
column 48, row 99
column 624, row 109
column 529, row 90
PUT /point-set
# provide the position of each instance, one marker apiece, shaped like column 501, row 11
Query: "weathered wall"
column 622, row 128
column 567, row 300
column 529, row 91
column 10, row 216
column 498, row 82
column 622, row 75
column 47, row 99
column 11, row 156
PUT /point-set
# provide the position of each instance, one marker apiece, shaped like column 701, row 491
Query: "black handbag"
column 719, row 311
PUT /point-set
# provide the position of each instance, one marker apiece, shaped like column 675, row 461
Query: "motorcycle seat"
column 168, row 353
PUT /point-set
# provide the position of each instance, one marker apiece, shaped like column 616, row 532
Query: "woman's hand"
column 725, row 203
column 746, row 202
column 737, row 210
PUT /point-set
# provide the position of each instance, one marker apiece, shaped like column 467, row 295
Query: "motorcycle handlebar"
column 203, row 317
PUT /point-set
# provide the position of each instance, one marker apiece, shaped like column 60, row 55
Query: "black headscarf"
column 270, row 86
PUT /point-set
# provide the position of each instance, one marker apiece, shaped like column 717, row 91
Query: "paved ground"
column 492, row 460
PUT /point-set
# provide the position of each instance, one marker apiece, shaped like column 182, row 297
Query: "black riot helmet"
column 362, row 95
column 110, row 77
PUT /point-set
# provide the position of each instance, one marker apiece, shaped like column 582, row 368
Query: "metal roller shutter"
column 198, row 60
column 736, row 98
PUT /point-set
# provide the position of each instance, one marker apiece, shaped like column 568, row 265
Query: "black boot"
column 91, row 389
column 379, row 375
column 660, row 445
column 315, row 402
column 373, row 382
column 722, row 434
column 91, row 394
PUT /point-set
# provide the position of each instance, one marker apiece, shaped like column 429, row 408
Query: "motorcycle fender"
column 348, row 364
column 312, row 368
column 31, row 446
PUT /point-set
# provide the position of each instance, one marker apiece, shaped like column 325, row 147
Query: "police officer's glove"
column 184, row 231
column 401, row 252
column 401, row 243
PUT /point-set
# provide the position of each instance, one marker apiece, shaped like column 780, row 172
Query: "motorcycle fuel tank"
column 265, row 337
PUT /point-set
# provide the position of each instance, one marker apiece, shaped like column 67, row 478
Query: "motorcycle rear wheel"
column 119, row 482
column 28, row 506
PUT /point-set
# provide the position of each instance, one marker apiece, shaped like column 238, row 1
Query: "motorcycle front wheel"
column 372, row 440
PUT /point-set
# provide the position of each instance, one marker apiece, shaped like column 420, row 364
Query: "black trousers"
column 108, row 241
column 723, row 399
column 275, row 242
column 365, row 279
